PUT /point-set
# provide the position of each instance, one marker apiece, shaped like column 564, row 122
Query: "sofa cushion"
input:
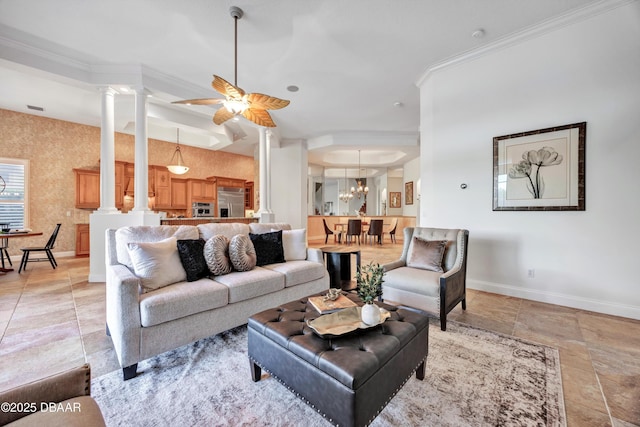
column 259, row 228
column 426, row 254
column 242, row 253
column 149, row 233
column 298, row 272
column 228, row 230
column 413, row 280
column 216, row 255
column 157, row 264
column 294, row 243
column 250, row 284
column 181, row 300
column 191, row 253
column 268, row 247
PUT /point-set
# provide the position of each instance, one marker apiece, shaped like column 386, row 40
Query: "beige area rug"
column 474, row 378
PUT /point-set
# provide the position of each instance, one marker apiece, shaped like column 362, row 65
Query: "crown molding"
column 529, row 33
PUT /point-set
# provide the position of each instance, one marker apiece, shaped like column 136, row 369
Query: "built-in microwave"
column 200, row 209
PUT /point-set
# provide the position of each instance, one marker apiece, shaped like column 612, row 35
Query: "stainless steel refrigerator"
column 231, row 202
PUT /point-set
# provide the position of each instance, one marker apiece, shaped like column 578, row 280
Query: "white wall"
column 585, row 71
column 412, row 173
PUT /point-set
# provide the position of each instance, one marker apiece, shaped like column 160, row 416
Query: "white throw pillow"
column 157, row 263
column 294, row 243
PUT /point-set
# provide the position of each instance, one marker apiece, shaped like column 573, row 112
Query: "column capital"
column 107, row 90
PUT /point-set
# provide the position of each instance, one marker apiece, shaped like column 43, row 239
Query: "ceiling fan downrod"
column 236, row 13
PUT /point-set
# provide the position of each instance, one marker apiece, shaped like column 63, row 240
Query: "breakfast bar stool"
column 46, row 249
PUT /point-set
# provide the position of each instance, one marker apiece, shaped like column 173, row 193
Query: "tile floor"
column 51, row 320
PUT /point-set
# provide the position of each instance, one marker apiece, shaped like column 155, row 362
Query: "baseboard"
column 598, row 306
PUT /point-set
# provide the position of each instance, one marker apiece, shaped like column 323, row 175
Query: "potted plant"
column 369, row 279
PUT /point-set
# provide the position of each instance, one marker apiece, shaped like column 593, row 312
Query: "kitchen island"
column 205, row 220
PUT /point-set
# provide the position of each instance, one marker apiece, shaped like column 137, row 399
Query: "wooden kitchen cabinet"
column 162, row 188
column 227, row 182
column 87, row 188
column 201, row 190
column 248, row 195
column 82, row 239
column 179, row 193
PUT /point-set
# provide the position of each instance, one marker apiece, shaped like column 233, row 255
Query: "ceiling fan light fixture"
column 176, row 165
column 236, row 106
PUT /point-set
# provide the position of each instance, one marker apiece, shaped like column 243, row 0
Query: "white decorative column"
column 107, row 153
column 269, row 134
column 141, row 165
column 265, row 214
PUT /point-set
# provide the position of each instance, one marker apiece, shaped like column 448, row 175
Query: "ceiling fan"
column 252, row 106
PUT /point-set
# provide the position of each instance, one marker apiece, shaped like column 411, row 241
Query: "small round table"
column 339, row 266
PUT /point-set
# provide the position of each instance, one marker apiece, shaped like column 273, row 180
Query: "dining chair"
column 328, row 232
column 354, row 229
column 46, row 249
column 375, row 229
column 392, row 231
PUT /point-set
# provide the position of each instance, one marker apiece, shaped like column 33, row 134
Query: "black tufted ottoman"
column 349, row 379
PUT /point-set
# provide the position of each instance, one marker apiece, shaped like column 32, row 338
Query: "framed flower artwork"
column 395, row 199
column 408, row 193
column 540, row 170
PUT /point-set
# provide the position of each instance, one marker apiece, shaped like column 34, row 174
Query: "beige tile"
column 610, row 331
column 579, row 415
column 581, row 386
column 623, row 396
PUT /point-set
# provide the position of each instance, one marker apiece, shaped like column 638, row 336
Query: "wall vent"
column 33, row 107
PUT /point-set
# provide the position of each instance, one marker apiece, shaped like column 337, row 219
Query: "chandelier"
column 176, row 165
column 345, row 196
column 361, row 190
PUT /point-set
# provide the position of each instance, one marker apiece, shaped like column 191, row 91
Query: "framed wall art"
column 408, row 193
column 540, row 170
column 395, row 199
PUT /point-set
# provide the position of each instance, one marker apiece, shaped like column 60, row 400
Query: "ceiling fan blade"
column 201, row 101
column 259, row 117
column 266, row 102
column 226, row 88
column 222, row 115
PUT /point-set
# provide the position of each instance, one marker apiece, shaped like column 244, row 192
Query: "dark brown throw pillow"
column 192, row 258
column 427, row 254
column 269, row 249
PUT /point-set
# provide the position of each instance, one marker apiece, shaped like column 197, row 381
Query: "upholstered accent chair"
column 431, row 272
column 70, row 390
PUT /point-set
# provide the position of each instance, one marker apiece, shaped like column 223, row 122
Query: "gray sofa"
column 412, row 281
column 145, row 324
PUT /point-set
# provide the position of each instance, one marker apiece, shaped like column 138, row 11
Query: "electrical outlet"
column 531, row 273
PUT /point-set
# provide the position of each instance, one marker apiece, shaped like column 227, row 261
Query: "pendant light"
column 176, row 165
column 345, row 196
column 361, row 190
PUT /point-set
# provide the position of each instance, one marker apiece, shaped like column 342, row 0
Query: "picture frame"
column 540, row 170
column 395, row 199
column 408, row 193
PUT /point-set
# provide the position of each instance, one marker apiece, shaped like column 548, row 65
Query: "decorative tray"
column 342, row 322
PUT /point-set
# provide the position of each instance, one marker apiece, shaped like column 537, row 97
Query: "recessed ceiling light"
column 478, row 34
column 293, row 88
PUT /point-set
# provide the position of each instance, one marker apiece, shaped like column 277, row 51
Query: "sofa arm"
column 123, row 313
column 56, row 388
column 393, row 265
column 315, row 255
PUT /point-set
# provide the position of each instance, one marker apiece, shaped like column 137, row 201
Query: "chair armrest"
column 315, row 255
column 56, row 388
column 453, row 284
column 393, row 265
column 123, row 313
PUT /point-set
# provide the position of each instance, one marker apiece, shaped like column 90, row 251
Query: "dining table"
column 4, row 245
